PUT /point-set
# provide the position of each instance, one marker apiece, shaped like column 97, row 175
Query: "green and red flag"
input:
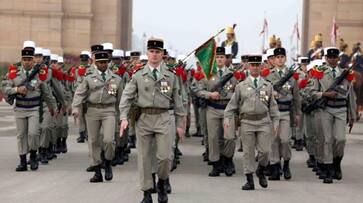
column 206, row 55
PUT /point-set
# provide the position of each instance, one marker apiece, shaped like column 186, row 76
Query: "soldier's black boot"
column 22, row 166
column 323, row 171
column 64, row 148
column 228, row 166
column 33, row 160
column 147, row 197
column 216, row 169
column 299, row 145
column 162, row 195
column 82, row 137
column 329, row 174
column 268, row 170
column 132, row 143
column 153, row 190
column 167, row 186
column 50, row 152
column 286, row 170
column 120, row 158
column 311, row 161
column 108, row 170
column 250, row 185
column 58, row 146
column 97, row 177
column 125, row 156
column 114, row 162
column 260, row 173
column 43, row 155
column 178, row 152
column 206, row 155
column 275, row 172
column 90, row 169
column 318, row 168
column 337, row 168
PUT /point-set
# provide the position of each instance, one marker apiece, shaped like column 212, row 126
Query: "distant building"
column 64, row 26
column 318, row 17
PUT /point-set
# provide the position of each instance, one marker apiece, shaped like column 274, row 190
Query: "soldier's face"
column 155, row 56
column 38, row 58
column 271, row 60
column 255, row 69
column 280, row 60
column 332, row 60
column 304, row 67
column 101, row 65
column 221, row 60
column 27, row 63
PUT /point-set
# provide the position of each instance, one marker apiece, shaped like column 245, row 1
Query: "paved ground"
column 65, row 179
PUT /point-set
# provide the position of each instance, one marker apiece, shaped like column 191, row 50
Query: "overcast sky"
column 185, row 24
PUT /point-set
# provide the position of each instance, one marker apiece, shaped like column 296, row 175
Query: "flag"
column 206, row 57
column 265, row 27
column 334, row 32
column 295, row 32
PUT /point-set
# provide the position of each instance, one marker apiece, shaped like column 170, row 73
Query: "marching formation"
column 122, row 101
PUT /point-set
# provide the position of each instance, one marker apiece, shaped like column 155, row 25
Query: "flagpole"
column 297, row 34
column 264, row 33
column 187, row 56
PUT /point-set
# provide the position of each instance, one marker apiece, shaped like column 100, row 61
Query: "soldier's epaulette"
column 137, row 68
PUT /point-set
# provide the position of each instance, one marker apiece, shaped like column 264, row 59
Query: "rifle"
column 25, row 82
column 216, row 88
column 321, row 103
column 278, row 86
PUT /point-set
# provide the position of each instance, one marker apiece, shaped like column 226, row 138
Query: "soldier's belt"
column 284, row 105
column 218, row 105
column 253, row 117
column 23, row 102
column 337, row 103
column 153, row 110
column 100, row 106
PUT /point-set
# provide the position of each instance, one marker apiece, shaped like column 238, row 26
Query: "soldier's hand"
column 225, row 127
column 75, row 115
column 275, row 131
column 181, row 134
column 214, row 95
column 331, row 94
column 22, row 90
column 123, row 126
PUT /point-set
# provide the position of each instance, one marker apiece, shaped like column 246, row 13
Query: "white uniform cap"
column 300, row 59
column 118, row 53
column 38, row 51
column 46, row 52
column 60, row 59
column 143, row 57
column 264, row 57
column 54, row 57
column 236, row 60
column 171, row 54
column 180, row 57
column 128, row 53
column 269, row 53
column 86, row 53
column 29, row 43
column 107, row 46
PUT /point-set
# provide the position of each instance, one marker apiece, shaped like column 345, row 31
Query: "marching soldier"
column 221, row 148
column 27, row 102
column 340, row 109
column 101, row 90
column 82, row 69
column 289, row 101
column 121, row 143
column 153, row 89
column 253, row 100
